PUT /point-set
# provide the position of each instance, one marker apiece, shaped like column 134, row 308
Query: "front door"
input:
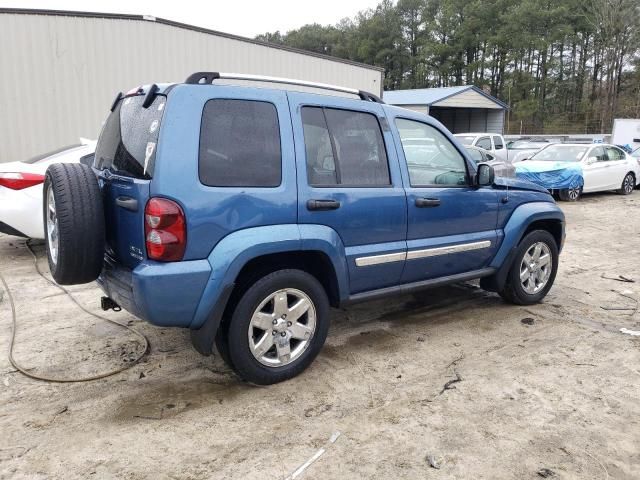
column 349, row 180
column 451, row 224
column 595, row 169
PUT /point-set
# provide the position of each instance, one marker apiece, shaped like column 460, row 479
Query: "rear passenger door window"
column 497, row 141
column 615, row 154
column 344, row 148
column 240, row 144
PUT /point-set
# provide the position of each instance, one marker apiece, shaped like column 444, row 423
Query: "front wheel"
column 570, row 194
column 628, row 184
column 278, row 327
column 533, row 270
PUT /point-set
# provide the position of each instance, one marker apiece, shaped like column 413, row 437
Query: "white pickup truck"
column 496, row 144
column 490, row 142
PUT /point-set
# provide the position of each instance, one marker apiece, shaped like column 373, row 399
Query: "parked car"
column 522, row 149
column 21, row 189
column 570, row 169
column 490, row 142
column 501, row 168
column 244, row 213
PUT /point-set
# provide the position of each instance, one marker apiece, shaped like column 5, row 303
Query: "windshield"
column 127, row 143
column 560, row 153
column 526, row 145
column 466, row 140
column 636, row 153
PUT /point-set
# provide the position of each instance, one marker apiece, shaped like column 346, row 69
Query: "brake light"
column 18, row 181
column 165, row 230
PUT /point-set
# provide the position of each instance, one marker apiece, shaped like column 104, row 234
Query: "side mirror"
column 592, row 160
column 485, row 175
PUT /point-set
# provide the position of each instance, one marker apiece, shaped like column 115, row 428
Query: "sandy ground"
column 561, row 394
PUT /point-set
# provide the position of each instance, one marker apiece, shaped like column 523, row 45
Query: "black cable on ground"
column 45, row 378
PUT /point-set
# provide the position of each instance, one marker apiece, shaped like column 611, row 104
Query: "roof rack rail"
column 206, row 78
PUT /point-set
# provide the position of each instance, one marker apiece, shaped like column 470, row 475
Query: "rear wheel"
column 628, row 184
column 74, row 223
column 533, row 270
column 570, row 194
column 278, row 327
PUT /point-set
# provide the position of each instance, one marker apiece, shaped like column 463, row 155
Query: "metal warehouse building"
column 461, row 109
column 60, row 71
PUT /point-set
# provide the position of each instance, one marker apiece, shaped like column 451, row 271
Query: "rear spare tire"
column 73, row 223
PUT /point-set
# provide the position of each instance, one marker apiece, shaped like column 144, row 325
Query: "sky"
column 247, row 18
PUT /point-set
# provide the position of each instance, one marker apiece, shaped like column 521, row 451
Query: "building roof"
column 430, row 96
column 163, row 21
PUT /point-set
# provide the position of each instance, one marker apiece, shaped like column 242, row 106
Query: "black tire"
column 570, row 194
column 237, row 349
column 628, row 184
column 513, row 290
column 80, row 223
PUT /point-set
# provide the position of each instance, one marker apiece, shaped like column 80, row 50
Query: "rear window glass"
column 240, row 144
column 127, row 143
column 344, row 147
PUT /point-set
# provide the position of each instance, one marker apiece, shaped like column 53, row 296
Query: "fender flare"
column 521, row 218
column 233, row 252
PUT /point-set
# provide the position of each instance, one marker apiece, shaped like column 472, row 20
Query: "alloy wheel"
column 282, row 327
column 52, row 226
column 535, row 268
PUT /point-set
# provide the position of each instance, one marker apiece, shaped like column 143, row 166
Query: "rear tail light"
column 18, row 181
column 165, row 230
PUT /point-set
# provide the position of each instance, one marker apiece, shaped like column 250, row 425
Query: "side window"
column 598, row 152
column 240, row 144
column 497, row 141
column 432, row 159
column 484, row 142
column 475, row 155
column 615, row 154
column 344, row 147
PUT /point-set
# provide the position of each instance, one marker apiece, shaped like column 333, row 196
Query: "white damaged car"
column 21, row 188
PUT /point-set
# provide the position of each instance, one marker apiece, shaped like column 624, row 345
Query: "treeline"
column 564, row 66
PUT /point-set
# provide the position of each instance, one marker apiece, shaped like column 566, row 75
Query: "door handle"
column 127, row 203
column 323, row 204
column 427, row 202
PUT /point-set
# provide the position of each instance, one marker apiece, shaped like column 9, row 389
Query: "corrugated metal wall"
column 495, row 121
column 59, row 74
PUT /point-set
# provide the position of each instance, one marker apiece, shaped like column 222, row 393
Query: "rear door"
column 349, row 180
column 618, row 167
column 124, row 159
column 451, row 224
column 499, row 149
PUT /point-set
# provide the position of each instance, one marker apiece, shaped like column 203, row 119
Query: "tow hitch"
column 108, row 304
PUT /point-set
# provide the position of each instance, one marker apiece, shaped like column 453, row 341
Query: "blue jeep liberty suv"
column 244, row 213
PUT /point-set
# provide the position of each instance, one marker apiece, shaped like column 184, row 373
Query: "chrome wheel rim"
column 535, row 268
column 282, row 327
column 52, row 226
column 627, row 184
column 573, row 193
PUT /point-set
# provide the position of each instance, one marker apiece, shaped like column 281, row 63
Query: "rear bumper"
column 164, row 294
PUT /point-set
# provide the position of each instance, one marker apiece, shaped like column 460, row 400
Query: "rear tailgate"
column 124, row 161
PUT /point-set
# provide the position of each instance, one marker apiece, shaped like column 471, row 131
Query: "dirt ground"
column 561, row 393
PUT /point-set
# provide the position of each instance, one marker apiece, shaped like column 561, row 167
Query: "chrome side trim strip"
column 378, row 259
column 433, row 252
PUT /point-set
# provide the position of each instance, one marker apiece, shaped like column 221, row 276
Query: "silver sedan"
column 502, row 168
